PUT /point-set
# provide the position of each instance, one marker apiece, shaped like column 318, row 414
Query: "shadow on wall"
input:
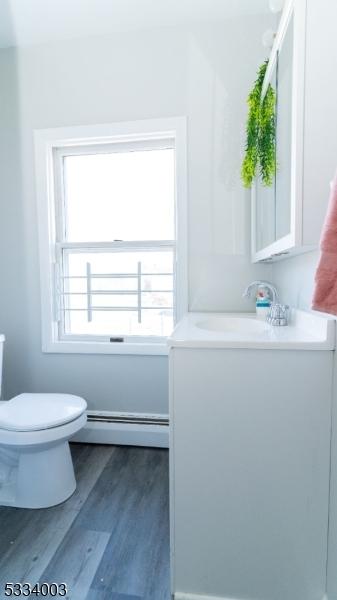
column 12, row 269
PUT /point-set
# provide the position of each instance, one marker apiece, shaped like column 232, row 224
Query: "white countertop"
column 306, row 331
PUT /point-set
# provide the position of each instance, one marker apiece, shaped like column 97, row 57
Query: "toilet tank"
column 2, row 339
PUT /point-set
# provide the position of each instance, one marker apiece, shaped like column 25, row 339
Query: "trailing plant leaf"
column 267, row 138
column 260, row 146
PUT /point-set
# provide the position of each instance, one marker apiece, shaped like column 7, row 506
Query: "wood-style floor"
column 109, row 541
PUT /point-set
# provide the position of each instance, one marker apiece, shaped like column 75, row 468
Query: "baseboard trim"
column 125, row 429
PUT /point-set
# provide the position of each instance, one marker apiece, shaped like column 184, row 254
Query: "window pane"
column 131, row 293
column 154, row 263
column 157, row 299
column 120, row 196
column 154, row 323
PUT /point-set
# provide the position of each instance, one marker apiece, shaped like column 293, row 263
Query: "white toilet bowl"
column 36, row 469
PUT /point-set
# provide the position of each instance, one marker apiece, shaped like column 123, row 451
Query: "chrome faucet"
column 278, row 313
column 272, row 289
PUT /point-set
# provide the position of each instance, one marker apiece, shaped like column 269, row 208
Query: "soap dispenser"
column 263, row 303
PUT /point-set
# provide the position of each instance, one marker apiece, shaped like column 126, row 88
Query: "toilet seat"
column 43, row 437
column 39, row 412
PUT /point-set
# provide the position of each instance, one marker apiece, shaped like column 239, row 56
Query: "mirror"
column 273, row 204
column 283, row 135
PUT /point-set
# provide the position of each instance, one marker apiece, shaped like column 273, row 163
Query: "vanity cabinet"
column 250, row 436
column 287, row 217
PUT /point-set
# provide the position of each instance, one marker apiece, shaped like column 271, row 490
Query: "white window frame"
column 49, row 141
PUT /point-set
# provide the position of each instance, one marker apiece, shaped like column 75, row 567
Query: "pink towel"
column 325, row 293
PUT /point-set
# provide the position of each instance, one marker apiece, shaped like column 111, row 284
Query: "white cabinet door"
column 250, row 472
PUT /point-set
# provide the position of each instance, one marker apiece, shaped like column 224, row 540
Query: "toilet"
column 36, row 469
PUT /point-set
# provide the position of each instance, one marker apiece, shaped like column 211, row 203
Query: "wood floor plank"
column 108, row 595
column 156, row 554
column 29, row 553
column 118, row 490
column 12, row 522
column 157, row 582
column 89, row 462
column 110, row 541
column 76, row 561
column 141, row 528
column 29, row 538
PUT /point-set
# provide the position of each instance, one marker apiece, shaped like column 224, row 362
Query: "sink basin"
column 306, row 331
column 233, row 325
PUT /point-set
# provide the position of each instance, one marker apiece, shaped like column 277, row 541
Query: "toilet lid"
column 35, row 412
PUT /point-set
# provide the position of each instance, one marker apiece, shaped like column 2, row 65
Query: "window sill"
column 75, row 347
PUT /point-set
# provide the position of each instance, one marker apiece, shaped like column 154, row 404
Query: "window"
column 112, row 204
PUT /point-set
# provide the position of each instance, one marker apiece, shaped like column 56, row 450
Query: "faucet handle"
column 278, row 314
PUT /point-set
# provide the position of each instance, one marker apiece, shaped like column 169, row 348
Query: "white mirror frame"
column 292, row 242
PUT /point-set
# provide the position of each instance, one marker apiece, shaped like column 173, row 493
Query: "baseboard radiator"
column 130, row 429
column 136, row 419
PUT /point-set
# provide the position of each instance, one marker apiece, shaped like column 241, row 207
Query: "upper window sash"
column 62, row 202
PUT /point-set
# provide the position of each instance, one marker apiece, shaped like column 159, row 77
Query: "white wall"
column 206, row 75
column 294, row 278
column 221, row 66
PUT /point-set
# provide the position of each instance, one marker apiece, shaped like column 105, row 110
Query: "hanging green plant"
column 261, row 133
